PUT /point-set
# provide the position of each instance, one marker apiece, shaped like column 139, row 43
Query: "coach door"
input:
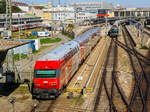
column 67, row 75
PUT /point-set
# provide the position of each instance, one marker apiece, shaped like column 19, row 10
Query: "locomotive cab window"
column 45, row 74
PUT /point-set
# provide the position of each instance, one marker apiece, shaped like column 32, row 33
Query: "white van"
column 43, row 34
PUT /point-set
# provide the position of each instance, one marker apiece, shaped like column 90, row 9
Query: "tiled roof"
column 19, row 3
column 8, row 44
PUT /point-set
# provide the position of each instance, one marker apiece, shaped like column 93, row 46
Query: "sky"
column 124, row 3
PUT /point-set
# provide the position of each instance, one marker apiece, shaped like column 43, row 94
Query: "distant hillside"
column 15, row 9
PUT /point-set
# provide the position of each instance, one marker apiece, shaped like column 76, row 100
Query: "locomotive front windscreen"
column 45, row 74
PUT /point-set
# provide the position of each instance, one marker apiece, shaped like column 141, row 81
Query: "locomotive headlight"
column 53, row 84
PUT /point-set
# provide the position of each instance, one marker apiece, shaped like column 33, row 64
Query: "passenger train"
column 53, row 71
column 25, row 26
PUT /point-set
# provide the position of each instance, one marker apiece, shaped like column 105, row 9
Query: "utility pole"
column 19, row 34
column 8, row 24
column 8, row 15
column 7, row 34
column 75, row 9
column 52, row 19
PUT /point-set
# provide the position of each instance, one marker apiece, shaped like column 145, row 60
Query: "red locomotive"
column 54, row 70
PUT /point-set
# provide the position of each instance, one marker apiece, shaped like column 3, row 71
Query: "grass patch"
column 32, row 37
column 77, row 100
column 23, row 89
column 49, row 40
column 124, row 63
column 71, row 25
column 68, row 35
column 21, row 99
column 41, row 48
column 16, row 56
column 32, row 15
column 144, row 47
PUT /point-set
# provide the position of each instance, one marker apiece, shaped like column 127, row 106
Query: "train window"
column 45, row 74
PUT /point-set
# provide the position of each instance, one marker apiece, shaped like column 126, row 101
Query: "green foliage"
column 71, row 25
column 68, row 35
column 3, row 7
column 32, row 37
column 32, row 15
column 16, row 9
column 41, row 48
column 16, row 56
column 78, row 100
column 49, row 40
column 143, row 47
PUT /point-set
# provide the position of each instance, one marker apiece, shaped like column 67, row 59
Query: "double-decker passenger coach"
column 54, row 70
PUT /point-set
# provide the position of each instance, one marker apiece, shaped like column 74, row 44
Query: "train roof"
column 59, row 52
column 86, row 35
column 116, row 23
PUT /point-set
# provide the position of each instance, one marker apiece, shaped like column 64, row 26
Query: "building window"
column 133, row 13
column 138, row 14
column 144, row 13
column 127, row 13
column 116, row 14
column 122, row 14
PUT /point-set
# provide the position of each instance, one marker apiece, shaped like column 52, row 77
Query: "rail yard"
column 117, row 82
column 113, row 77
column 77, row 57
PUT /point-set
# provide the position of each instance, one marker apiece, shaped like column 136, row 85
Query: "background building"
column 36, row 10
column 132, row 12
column 59, row 13
column 89, row 10
column 63, row 13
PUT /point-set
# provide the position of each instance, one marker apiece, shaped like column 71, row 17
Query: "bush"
column 70, row 25
column 15, row 9
column 143, row 47
column 71, row 36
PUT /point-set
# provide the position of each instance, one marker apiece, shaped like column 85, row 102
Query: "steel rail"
column 139, row 79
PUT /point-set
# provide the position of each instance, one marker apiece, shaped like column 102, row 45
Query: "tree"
column 2, row 6
column 15, row 9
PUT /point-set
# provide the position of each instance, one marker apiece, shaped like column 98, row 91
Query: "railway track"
column 141, row 80
column 46, row 106
column 53, row 105
column 110, row 96
column 42, row 106
column 146, row 31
